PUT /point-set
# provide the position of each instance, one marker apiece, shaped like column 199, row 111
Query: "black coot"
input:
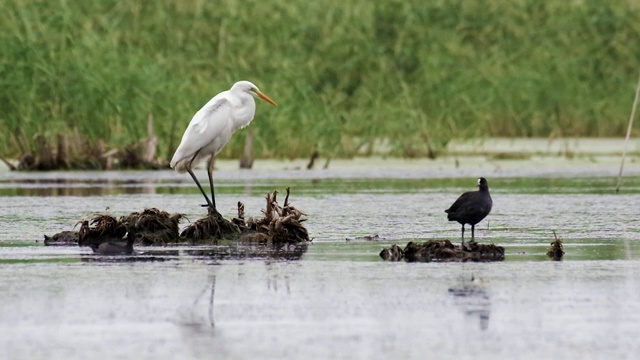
column 124, row 247
column 471, row 207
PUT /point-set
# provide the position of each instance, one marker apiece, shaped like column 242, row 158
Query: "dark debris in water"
column 394, row 253
column 64, row 238
column 279, row 233
column 443, row 251
column 374, row 237
column 555, row 250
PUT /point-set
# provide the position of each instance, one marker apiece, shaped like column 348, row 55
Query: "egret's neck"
column 243, row 111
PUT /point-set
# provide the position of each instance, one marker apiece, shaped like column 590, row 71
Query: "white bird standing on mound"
column 211, row 128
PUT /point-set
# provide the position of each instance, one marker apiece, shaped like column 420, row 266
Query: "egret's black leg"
column 210, row 173
column 200, row 187
column 209, row 203
column 462, row 234
column 473, row 228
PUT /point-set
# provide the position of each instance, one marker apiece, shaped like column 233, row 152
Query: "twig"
column 286, row 199
column 312, row 160
column 240, row 211
column 626, row 141
column 246, row 162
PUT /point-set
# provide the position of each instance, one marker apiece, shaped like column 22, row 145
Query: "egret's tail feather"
column 179, row 165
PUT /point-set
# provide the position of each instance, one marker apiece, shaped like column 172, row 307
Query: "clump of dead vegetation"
column 73, row 151
column 281, row 226
column 443, row 251
column 63, row 238
column 210, row 230
column 556, row 251
column 280, row 230
column 153, row 227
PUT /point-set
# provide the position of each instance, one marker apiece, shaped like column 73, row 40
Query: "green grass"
column 416, row 73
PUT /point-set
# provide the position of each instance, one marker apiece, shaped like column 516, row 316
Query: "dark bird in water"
column 471, row 207
column 124, row 247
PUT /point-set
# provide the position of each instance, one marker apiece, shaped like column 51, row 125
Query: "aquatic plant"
column 412, row 74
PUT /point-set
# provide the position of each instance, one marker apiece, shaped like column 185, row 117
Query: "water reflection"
column 76, row 187
column 208, row 294
column 115, row 259
column 474, row 301
column 215, row 253
column 274, row 283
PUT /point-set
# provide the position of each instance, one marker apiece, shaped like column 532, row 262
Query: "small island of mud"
column 280, row 232
column 443, row 251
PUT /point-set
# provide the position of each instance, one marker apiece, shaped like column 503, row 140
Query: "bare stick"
column 241, row 211
column 626, row 141
column 286, row 199
column 246, row 162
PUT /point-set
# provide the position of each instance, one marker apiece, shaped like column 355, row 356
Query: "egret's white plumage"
column 212, row 126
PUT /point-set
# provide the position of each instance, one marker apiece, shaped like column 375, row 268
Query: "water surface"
column 340, row 301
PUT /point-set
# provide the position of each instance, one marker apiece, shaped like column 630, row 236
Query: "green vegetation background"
column 412, row 72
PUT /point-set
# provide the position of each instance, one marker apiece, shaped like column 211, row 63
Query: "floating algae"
column 443, row 251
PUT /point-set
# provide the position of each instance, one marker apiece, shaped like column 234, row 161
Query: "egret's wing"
column 205, row 125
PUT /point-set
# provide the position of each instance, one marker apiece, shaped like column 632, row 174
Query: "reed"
column 414, row 73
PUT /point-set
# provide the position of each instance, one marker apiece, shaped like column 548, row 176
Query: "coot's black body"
column 124, row 247
column 471, row 207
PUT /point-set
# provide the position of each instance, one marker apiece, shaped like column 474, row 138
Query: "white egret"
column 211, row 128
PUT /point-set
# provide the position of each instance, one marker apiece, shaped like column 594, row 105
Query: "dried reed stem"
column 626, row 141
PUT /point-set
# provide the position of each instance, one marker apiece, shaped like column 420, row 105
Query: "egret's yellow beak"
column 264, row 97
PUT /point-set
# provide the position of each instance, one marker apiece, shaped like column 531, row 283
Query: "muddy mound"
column 443, row 251
column 64, row 238
column 210, row 230
column 153, row 227
column 280, row 230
